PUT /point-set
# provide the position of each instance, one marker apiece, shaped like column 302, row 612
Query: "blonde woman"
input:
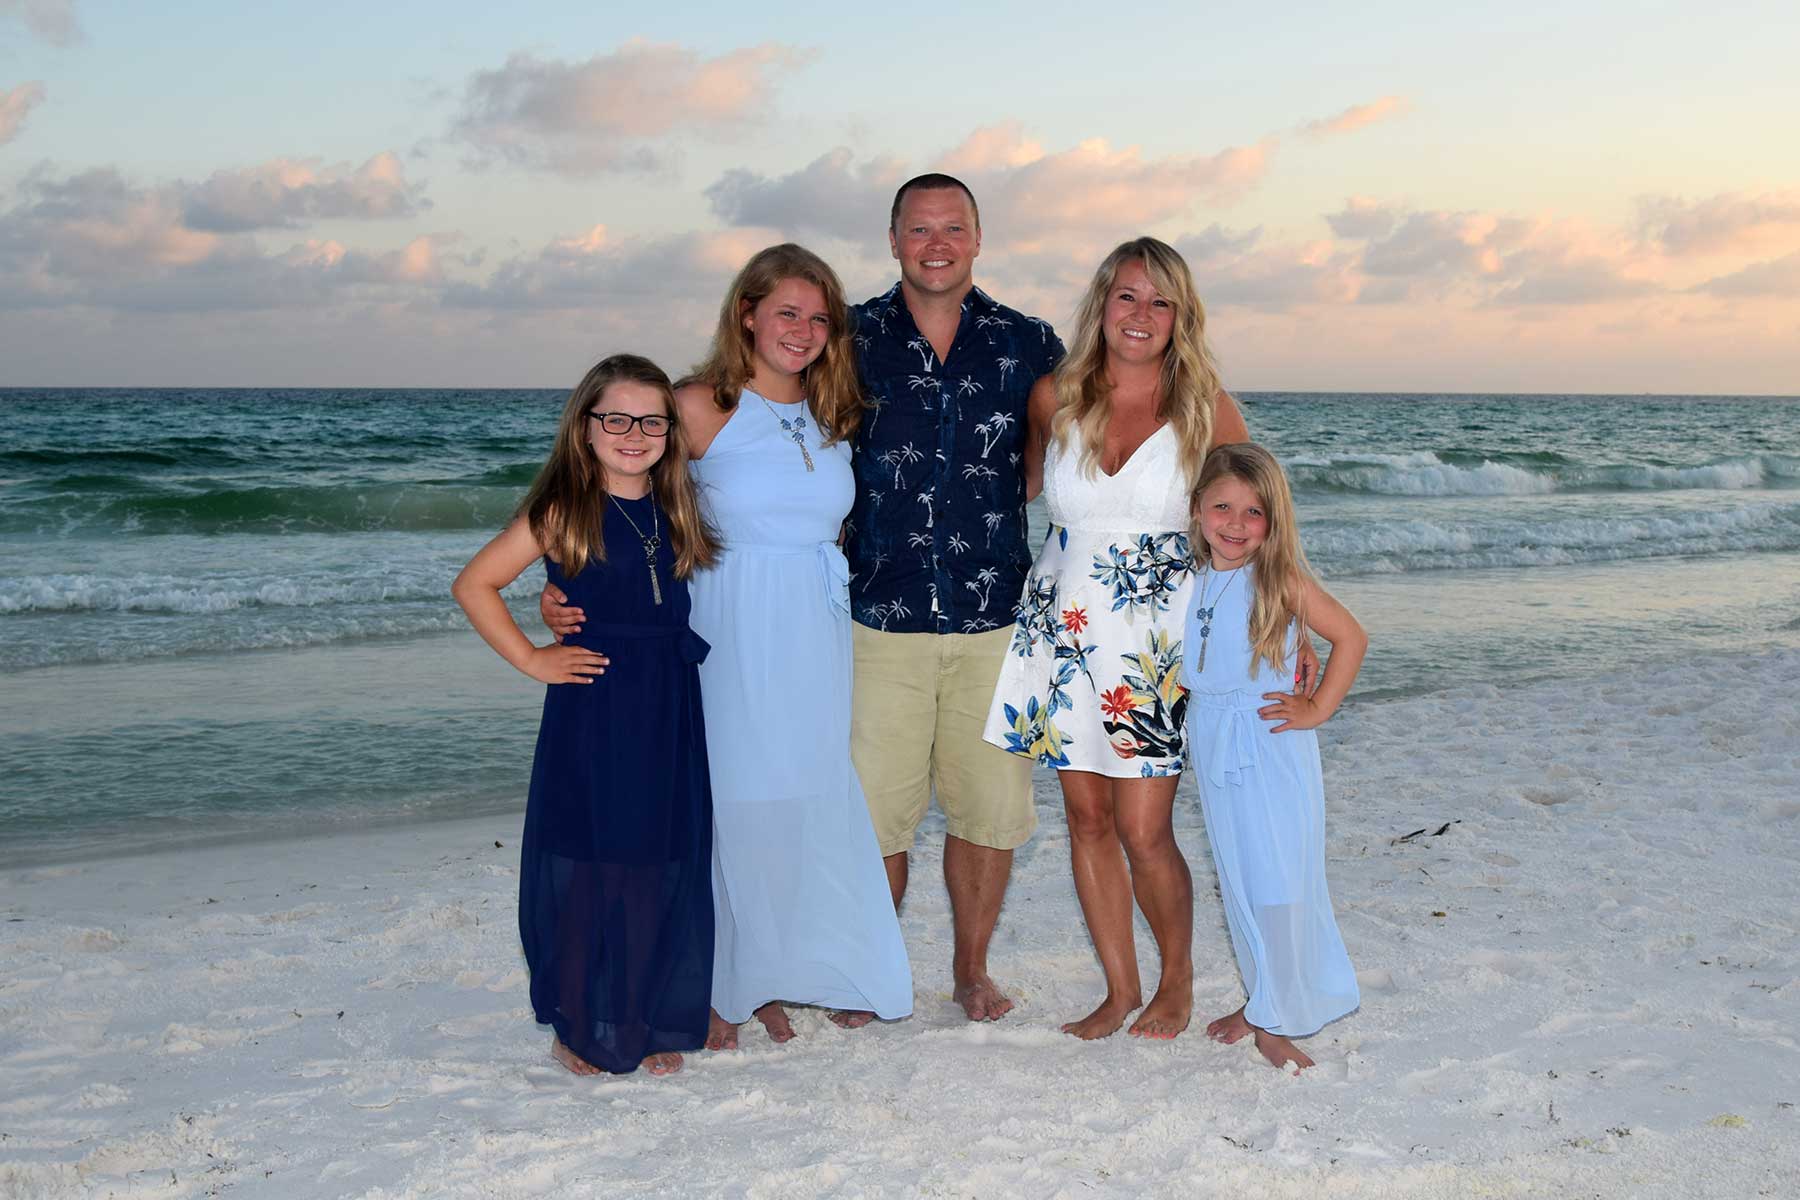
column 1092, row 687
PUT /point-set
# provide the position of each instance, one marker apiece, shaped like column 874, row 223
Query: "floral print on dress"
column 1146, row 575
column 1142, row 705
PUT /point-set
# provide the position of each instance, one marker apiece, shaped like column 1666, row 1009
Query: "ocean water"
column 226, row 613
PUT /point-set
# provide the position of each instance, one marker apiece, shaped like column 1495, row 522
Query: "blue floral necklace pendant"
column 795, row 429
column 1204, row 613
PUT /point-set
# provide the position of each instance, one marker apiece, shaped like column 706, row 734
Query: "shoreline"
column 1583, row 984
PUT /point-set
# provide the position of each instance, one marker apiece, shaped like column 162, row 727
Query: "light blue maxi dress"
column 1264, row 800
column 800, row 899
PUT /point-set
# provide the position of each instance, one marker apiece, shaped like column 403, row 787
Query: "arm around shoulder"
column 1040, row 409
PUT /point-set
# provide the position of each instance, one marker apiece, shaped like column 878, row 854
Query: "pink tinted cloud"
column 1777, row 278
column 286, row 192
column 1357, row 116
column 98, row 240
column 1091, row 192
column 1725, row 224
column 609, row 112
column 15, row 106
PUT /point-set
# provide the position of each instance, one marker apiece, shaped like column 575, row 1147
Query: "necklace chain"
column 652, row 544
column 1204, row 613
column 795, row 429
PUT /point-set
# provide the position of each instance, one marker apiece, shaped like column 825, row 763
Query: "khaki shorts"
column 920, row 703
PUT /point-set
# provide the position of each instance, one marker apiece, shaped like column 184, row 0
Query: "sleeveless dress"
column 1263, row 797
column 801, row 901
column 615, row 895
column 1092, row 680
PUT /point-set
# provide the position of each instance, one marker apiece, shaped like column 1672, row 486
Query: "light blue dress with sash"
column 1263, row 796
column 800, row 898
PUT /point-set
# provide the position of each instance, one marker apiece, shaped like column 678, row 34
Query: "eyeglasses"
column 619, row 424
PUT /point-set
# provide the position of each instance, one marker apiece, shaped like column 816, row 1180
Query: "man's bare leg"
column 976, row 879
column 1103, row 885
column 1165, row 892
column 897, row 871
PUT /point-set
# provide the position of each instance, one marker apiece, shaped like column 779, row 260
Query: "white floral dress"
column 1092, row 681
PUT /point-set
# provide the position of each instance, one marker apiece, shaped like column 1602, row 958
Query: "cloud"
column 15, row 106
column 610, row 112
column 285, row 192
column 95, row 239
column 52, row 20
column 1780, row 277
column 1089, row 192
column 593, row 270
column 1236, row 268
column 1357, row 116
column 1490, row 258
column 1362, row 217
column 1728, row 223
column 831, row 195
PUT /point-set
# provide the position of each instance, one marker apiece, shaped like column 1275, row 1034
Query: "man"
column 938, row 556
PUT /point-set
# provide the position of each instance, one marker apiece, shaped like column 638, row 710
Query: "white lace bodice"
column 1148, row 495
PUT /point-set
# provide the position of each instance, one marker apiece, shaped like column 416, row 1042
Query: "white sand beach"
column 1582, row 979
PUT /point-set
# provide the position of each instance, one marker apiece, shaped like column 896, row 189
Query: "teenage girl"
column 615, row 884
column 1255, row 753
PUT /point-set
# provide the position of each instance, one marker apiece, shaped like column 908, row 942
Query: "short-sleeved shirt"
column 937, row 533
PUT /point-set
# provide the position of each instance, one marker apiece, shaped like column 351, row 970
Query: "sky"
column 1570, row 197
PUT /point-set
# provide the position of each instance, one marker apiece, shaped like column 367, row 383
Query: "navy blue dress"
column 615, row 872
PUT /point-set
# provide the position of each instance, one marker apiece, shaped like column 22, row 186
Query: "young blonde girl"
column 615, row 892
column 1255, row 752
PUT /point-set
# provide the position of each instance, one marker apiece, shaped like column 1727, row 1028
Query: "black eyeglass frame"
column 631, row 420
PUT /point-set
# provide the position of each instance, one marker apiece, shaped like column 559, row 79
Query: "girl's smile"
column 1234, row 522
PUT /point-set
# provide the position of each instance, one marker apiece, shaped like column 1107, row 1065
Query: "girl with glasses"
column 615, row 884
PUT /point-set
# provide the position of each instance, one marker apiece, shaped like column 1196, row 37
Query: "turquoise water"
column 225, row 613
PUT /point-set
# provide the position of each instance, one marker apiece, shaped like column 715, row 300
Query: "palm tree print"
column 991, row 429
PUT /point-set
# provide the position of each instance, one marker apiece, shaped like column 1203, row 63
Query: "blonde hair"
column 829, row 381
column 567, row 504
column 1189, row 384
column 1281, row 567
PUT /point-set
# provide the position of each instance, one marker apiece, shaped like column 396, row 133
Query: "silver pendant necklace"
column 1205, row 613
column 795, row 429
column 652, row 544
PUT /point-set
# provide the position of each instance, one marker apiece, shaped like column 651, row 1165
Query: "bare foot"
column 1230, row 1029
column 1280, row 1051
column 720, row 1033
column 662, row 1063
column 1103, row 1021
column 851, row 1020
column 570, row 1059
column 1168, row 1012
column 982, row 999
column 775, row 1020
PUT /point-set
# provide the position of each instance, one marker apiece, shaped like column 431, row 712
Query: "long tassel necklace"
column 1205, row 612
column 652, row 544
column 795, row 429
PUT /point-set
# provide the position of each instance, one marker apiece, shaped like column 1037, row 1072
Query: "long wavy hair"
column 567, row 505
column 1281, row 566
column 1189, row 384
column 829, row 381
